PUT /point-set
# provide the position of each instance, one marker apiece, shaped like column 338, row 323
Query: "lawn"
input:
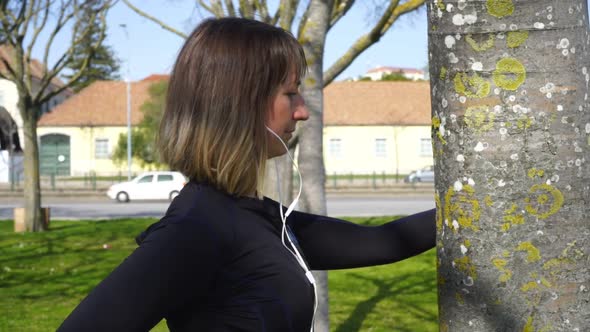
column 44, row 276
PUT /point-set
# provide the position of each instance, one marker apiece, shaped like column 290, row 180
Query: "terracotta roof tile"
column 156, row 77
column 377, row 103
column 36, row 67
column 103, row 103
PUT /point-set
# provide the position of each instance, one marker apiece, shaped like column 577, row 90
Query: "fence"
column 92, row 181
column 88, row 182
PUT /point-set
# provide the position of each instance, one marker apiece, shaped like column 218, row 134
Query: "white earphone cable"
column 284, row 231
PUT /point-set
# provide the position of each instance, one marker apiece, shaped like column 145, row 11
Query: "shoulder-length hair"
column 221, row 88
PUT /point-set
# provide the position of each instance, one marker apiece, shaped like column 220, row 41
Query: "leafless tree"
column 22, row 24
column 317, row 18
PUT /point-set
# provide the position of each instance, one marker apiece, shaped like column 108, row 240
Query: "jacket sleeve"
column 330, row 243
column 172, row 265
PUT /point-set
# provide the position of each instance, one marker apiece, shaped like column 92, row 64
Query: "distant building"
column 81, row 134
column 377, row 127
column 11, row 118
column 377, row 74
column 368, row 127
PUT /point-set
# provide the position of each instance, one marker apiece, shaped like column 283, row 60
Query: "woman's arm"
column 330, row 243
column 174, row 264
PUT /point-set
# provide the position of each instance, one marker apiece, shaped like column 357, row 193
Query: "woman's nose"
column 301, row 113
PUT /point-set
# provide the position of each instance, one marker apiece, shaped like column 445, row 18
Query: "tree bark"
column 511, row 127
column 311, row 159
column 285, row 176
column 33, row 217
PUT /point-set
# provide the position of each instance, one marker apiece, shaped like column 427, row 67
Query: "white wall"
column 9, row 99
column 5, row 166
column 82, row 149
column 358, row 155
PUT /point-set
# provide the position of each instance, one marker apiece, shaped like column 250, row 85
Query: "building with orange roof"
column 377, row 127
column 377, row 73
column 85, row 129
column 368, row 126
column 9, row 100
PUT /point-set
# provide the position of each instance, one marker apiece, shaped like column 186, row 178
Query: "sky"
column 149, row 49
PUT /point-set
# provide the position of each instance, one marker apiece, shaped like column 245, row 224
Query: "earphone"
column 285, row 232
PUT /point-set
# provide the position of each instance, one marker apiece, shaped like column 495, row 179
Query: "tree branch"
column 215, row 7
column 38, row 28
column 286, row 14
column 18, row 20
column 205, row 6
column 27, row 17
column 391, row 14
column 103, row 26
column 155, row 20
column 61, row 21
column 262, row 9
column 12, row 75
column 303, row 21
column 218, row 8
column 247, row 9
column 8, row 24
column 341, row 7
column 229, row 6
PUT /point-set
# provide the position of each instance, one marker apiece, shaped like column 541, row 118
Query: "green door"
column 54, row 154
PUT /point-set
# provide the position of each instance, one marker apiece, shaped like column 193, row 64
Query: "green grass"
column 43, row 276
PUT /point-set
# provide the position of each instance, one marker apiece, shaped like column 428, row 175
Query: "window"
column 164, row 177
column 381, row 147
column 335, row 147
column 146, row 179
column 101, row 148
column 426, row 147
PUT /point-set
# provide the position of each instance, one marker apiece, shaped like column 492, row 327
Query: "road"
column 353, row 205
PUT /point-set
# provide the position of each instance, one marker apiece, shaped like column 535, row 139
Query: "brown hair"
column 220, row 90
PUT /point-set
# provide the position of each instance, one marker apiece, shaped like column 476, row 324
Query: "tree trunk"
column 285, row 171
column 311, row 160
column 33, row 217
column 511, row 126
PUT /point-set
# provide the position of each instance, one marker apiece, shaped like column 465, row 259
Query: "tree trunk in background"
column 285, row 171
column 511, row 136
column 32, row 190
column 311, row 159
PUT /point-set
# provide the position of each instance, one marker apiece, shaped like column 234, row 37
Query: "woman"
column 222, row 258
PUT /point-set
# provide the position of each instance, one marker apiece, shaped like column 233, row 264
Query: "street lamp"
column 128, row 80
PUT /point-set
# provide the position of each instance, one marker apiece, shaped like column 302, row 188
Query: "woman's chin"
column 274, row 154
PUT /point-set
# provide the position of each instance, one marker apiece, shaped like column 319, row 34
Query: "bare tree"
column 318, row 17
column 22, row 22
column 511, row 132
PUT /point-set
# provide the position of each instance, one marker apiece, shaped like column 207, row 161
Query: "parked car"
column 148, row 185
column 422, row 175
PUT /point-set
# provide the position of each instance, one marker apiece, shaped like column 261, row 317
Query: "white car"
column 149, row 185
column 422, row 175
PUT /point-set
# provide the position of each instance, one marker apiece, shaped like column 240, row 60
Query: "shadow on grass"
column 69, row 259
column 394, row 289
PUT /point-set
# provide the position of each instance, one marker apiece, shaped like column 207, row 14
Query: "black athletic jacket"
column 215, row 262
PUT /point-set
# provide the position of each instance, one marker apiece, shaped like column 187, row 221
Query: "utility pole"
column 128, row 80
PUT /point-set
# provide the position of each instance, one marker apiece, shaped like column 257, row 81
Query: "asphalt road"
column 351, row 205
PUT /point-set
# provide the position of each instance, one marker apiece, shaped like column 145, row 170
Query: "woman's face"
column 287, row 108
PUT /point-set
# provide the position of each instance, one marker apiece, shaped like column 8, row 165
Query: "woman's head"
column 220, row 93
